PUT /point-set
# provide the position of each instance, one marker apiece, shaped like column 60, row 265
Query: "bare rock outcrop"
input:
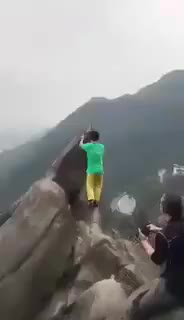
column 69, row 170
column 56, row 261
column 104, row 300
column 34, row 247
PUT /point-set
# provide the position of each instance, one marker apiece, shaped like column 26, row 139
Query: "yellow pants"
column 94, row 186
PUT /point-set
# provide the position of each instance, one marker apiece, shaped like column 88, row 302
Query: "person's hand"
column 141, row 235
column 81, row 141
column 154, row 228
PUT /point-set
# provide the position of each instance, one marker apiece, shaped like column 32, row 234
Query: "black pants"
column 156, row 301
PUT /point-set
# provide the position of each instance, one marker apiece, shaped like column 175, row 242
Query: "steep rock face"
column 34, row 247
column 69, row 169
column 32, row 218
column 37, row 240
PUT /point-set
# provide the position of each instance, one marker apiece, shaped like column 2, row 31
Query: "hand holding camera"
column 143, row 233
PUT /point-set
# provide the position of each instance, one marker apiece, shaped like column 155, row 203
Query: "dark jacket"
column 172, row 272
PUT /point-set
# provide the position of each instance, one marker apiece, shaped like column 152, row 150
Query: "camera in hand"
column 146, row 230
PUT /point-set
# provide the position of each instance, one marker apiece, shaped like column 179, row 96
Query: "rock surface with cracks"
column 34, row 247
column 58, row 264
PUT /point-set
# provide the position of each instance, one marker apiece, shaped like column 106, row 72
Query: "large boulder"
column 104, row 300
column 96, row 253
column 69, row 170
column 100, row 262
column 34, row 246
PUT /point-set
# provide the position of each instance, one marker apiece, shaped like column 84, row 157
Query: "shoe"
column 95, row 204
column 90, row 203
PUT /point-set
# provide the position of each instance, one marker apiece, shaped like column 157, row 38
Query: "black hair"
column 172, row 205
column 94, row 135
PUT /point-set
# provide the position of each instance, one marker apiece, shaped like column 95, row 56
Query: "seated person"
column 169, row 254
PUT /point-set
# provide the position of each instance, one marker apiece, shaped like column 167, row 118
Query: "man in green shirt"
column 95, row 167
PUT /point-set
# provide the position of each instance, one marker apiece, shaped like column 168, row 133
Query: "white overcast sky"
column 57, row 54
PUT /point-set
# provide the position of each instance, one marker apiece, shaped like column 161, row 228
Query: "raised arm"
column 159, row 254
column 145, row 243
column 81, row 141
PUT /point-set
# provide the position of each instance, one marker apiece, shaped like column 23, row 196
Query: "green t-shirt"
column 95, row 157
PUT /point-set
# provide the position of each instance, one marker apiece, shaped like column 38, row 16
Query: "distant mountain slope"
column 142, row 133
column 11, row 138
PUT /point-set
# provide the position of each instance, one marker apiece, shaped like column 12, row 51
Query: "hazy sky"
column 56, row 54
